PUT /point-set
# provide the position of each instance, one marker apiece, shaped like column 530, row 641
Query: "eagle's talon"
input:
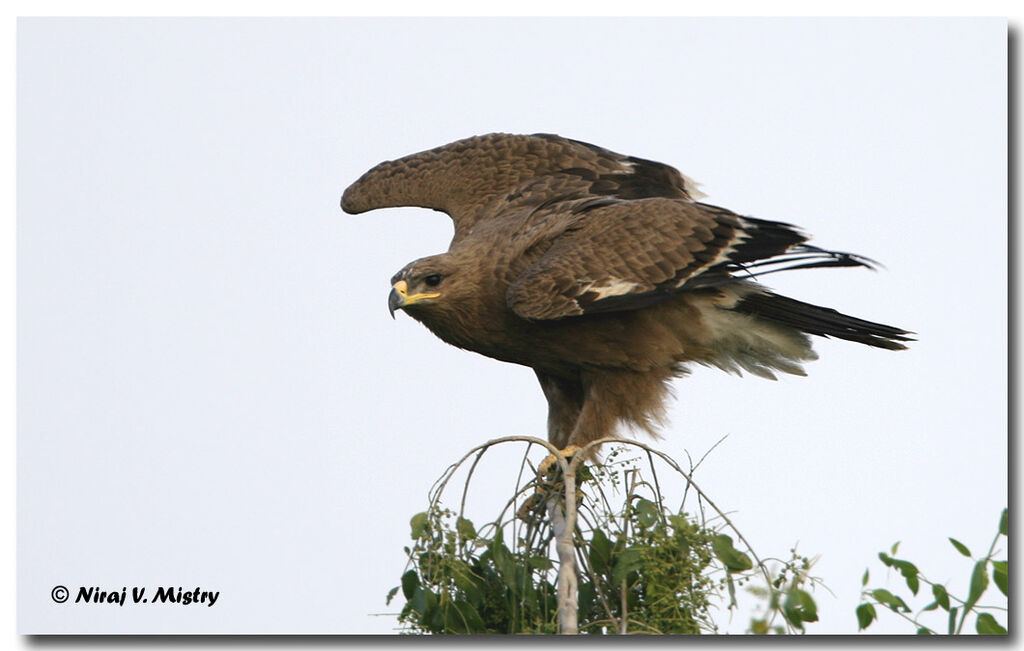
column 532, row 504
column 552, row 459
column 548, row 483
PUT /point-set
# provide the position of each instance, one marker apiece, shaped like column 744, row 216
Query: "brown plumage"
column 601, row 272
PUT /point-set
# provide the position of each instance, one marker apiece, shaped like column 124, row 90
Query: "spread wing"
column 470, row 178
column 625, row 254
column 628, row 234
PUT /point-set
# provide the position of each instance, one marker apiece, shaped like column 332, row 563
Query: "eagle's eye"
column 433, row 280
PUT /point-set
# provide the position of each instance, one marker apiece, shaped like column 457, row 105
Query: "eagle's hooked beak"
column 396, row 298
column 400, row 297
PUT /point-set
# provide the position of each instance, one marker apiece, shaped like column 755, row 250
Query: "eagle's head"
column 424, row 285
column 450, row 296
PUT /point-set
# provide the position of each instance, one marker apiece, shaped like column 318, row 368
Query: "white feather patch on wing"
column 611, row 287
column 723, row 256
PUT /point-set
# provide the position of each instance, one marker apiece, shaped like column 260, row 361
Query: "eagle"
column 604, row 273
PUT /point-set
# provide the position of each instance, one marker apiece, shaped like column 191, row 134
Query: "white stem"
column 563, row 523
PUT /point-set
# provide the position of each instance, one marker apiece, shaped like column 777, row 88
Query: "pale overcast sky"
column 211, row 393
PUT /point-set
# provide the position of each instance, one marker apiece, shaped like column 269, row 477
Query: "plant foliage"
column 957, row 610
column 643, row 566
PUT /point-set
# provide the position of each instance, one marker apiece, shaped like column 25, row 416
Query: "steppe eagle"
column 603, row 273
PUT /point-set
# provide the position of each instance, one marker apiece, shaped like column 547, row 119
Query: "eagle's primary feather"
column 602, row 272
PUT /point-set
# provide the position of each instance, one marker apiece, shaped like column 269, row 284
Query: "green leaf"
column 865, row 615
column 923, row 631
column 733, row 559
column 466, row 580
column 418, row 523
column 504, row 562
column 1000, row 571
column 600, row 553
column 647, row 513
column 941, row 596
column 932, row 606
column 902, row 604
column 540, row 563
column 909, row 572
column 887, row 598
column 960, row 547
column 912, row 583
column 626, row 561
column 906, row 568
column 465, row 529
column 391, row 595
column 410, row 581
column 882, row 596
column 433, row 619
column 423, row 600
column 979, row 582
column 805, row 604
column 799, row 607
column 680, row 523
column 808, row 605
column 895, row 547
column 864, row 579
column 586, row 597
column 952, row 620
column 987, row 625
column 759, row 626
column 1003, row 528
column 462, row 618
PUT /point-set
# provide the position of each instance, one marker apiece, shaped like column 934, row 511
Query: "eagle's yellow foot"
column 548, row 483
column 551, row 459
column 531, row 505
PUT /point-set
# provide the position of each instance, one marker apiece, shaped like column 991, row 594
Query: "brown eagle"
column 601, row 272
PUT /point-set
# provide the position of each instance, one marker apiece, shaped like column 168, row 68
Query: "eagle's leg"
column 565, row 401
column 596, row 418
column 621, row 396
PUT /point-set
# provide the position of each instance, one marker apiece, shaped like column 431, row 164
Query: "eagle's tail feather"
column 821, row 321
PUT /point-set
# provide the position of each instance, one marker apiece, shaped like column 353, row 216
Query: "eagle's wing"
column 635, row 234
column 469, row 178
column 627, row 254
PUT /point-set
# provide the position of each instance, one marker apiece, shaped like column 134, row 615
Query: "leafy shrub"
column 642, row 567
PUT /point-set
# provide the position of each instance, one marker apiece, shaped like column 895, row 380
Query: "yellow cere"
column 408, row 299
